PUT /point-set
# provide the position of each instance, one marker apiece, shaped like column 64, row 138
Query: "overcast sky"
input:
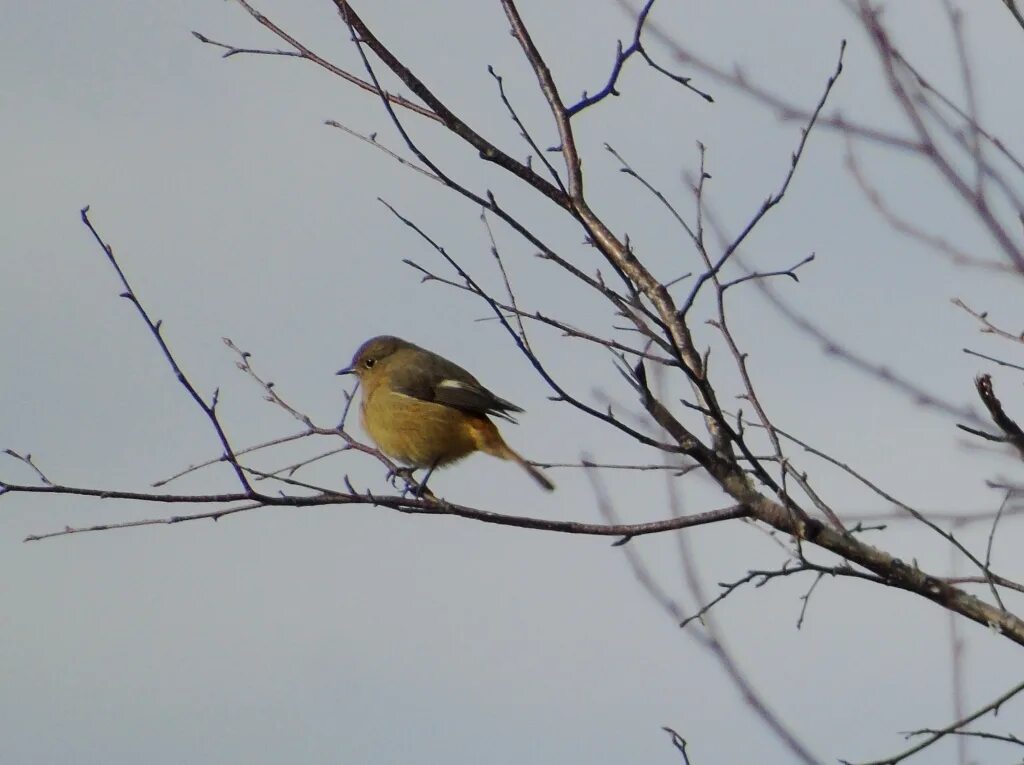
column 362, row 635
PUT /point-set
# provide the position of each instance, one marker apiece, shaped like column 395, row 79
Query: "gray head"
column 372, row 351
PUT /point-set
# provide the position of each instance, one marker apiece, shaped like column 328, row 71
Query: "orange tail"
column 537, row 476
column 489, row 440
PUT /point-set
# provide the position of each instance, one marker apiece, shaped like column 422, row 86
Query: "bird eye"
column 369, row 363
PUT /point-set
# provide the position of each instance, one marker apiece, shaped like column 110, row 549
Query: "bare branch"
column 987, row 326
column 1012, row 431
column 427, row 505
column 238, row 453
column 27, row 459
column 301, row 51
column 941, row 733
column 679, row 743
column 372, row 140
column 573, row 166
column 210, row 410
column 1014, row 9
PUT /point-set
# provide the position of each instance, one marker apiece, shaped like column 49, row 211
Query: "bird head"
column 371, row 353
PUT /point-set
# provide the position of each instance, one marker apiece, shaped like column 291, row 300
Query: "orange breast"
column 420, row 433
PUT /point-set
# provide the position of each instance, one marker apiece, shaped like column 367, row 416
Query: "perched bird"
column 427, row 412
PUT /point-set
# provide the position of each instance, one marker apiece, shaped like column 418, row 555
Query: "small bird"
column 427, row 412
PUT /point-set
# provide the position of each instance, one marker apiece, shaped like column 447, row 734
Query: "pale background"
column 361, row 635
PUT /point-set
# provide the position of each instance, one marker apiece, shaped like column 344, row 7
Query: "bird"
column 425, row 411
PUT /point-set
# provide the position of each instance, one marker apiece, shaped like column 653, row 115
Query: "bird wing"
column 444, row 382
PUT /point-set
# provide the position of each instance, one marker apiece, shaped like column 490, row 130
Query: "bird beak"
column 346, row 371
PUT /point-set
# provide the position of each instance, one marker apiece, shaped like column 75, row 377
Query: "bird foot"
column 410, row 486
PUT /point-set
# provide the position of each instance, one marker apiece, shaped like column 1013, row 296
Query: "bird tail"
column 487, row 439
column 535, row 474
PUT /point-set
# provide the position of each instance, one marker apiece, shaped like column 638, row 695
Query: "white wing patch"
column 448, row 383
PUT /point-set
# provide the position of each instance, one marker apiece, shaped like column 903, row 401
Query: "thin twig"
column 941, row 733
column 210, row 410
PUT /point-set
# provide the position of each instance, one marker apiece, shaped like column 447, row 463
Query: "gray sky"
column 360, row 635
